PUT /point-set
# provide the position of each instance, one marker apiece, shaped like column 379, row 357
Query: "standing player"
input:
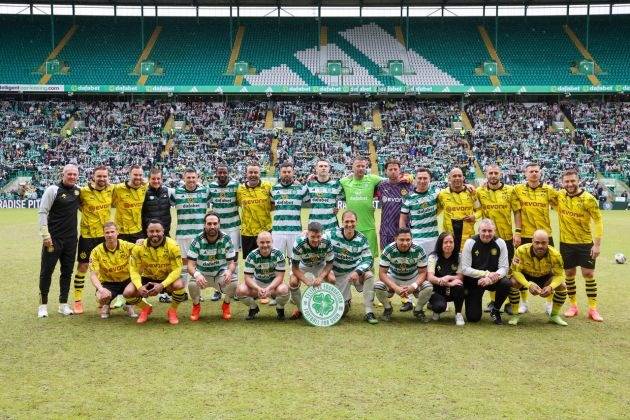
column 312, row 255
column 498, row 205
column 287, row 197
column 264, row 277
column 190, row 201
column 352, row 264
column 127, row 199
column 157, row 202
column 58, row 229
column 96, row 202
column 109, row 269
column 391, row 193
column 535, row 200
column 538, row 267
column 359, row 190
column 325, row 193
column 460, row 208
column 419, row 210
column 222, row 201
column 254, row 198
column 155, row 266
column 403, row 270
column 578, row 246
column 211, row 262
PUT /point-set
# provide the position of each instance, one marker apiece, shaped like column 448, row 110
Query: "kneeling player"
column 311, row 261
column 403, row 270
column 109, row 267
column 211, row 262
column 264, row 275
column 539, row 267
column 352, row 264
column 155, row 266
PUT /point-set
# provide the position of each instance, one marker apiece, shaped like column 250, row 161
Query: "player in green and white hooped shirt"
column 325, row 194
column 420, row 209
column 352, row 264
column 403, row 270
column 264, row 275
column 211, row 262
column 222, row 200
column 190, row 201
column 287, row 197
column 311, row 261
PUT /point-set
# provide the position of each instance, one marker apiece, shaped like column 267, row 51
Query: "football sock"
column 195, row 292
column 296, row 295
column 79, row 283
column 591, row 292
column 571, row 289
column 423, row 297
column 281, row 300
column 179, row 296
column 559, row 296
column 524, row 294
column 382, row 296
column 229, row 291
column 515, row 298
column 368, row 294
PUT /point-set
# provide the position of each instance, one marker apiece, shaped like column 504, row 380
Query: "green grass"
column 82, row 366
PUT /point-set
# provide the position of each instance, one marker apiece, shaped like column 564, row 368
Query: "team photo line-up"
column 510, row 255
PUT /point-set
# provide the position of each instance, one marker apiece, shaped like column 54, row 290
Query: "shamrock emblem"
column 322, row 304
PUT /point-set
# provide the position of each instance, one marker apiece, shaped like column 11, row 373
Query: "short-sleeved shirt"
column 222, row 201
column 212, row 257
column 288, row 200
column 403, row 266
column 526, row 264
column 422, row 210
column 359, row 195
column 95, row 209
column 264, row 268
column 324, row 198
column 111, row 265
column 304, row 253
column 191, row 209
column 351, row 254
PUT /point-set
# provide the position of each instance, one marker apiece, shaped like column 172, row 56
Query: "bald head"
column 456, row 179
column 264, row 243
column 69, row 175
column 540, row 243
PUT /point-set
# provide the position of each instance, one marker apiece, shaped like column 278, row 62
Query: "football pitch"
column 82, row 366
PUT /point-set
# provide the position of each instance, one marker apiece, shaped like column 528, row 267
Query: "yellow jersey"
column 534, row 204
column 111, row 266
column 498, row 205
column 95, row 208
column 575, row 214
column 255, row 203
column 525, row 263
column 162, row 263
column 128, row 203
column 456, row 206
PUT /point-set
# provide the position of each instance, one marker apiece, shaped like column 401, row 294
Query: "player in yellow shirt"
column 95, row 203
column 578, row 245
column 155, row 266
column 109, row 267
column 459, row 207
column 128, row 198
column 539, row 267
column 254, row 199
column 497, row 205
column 535, row 200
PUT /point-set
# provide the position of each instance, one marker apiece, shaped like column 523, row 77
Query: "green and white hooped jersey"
column 222, row 201
column 350, row 254
column 403, row 266
column 191, row 208
column 305, row 254
column 422, row 211
column 212, row 258
column 264, row 268
column 288, row 201
column 324, row 198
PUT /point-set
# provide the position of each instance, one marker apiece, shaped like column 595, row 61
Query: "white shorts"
column 428, row 244
column 216, row 282
column 343, row 284
column 379, row 285
column 235, row 237
column 263, row 285
column 184, row 244
column 314, row 270
column 284, row 242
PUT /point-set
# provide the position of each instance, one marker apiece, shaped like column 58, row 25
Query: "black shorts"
column 577, row 255
column 85, row 247
column 540, row 281
column 529, row 241
column 131, row 237
column 147, row 280
column 115, row 287
column 248, row 244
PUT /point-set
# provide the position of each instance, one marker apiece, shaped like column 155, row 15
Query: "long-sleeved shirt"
column 477, row 272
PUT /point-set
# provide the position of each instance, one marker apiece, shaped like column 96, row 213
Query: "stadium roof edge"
column 315, row 3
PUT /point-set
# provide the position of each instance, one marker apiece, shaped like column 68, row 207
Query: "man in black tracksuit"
column 58, row 227
column 485, row 266
column 157, row 203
